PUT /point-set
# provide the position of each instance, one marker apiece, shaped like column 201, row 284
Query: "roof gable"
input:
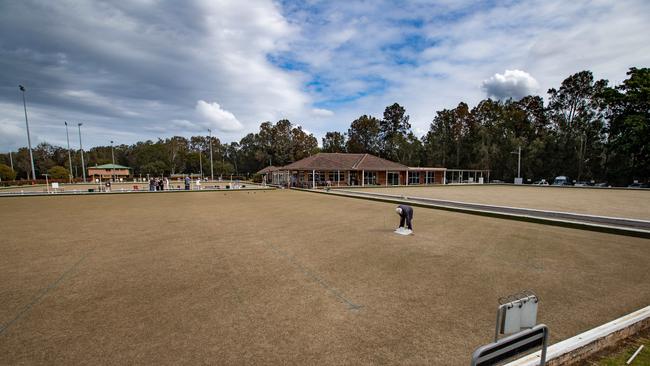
column 267, row 170
column 344, row 161
column 109, row 166
column 371, row 162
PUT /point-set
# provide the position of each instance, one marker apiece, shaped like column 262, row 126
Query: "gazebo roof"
column 109, row 166
column 268, row 169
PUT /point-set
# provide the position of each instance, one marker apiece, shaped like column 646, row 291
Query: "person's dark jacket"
column 406, row 216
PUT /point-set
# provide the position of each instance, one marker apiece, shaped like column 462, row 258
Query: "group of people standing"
column 163, row 184
column 158, row 184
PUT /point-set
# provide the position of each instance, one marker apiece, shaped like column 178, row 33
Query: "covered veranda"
column 467, row 176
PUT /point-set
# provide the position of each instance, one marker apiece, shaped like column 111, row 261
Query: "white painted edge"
column 584, row 339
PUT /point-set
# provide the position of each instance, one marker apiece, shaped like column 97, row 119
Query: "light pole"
column 234, row 151
column 29, row 140
column 201, row 162
column 11, row 160
column 47, row 183
column 113, row 156
column 67, row 136
column 83, row 168
column 518, row 152
column 211, row 167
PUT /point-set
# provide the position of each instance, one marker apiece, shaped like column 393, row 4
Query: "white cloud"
column 220, row 118
column 11, row 136
column 514, row 84
column 458, row 49
column 320, row 112
column 131, row 66
column 89, row 98
column 135, row 70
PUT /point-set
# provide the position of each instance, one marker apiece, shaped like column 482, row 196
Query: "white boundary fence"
column 585, row 344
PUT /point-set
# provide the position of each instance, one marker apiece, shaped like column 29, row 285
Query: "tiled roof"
column 109, row 166
column 343, row 161
column 268, row 169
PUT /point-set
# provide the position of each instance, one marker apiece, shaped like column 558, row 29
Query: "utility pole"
column 211, row 167
column 11, row 160
column 67, row 136
column 518, row 152
column 29, row 140
column 113, row 156
column 47, row 183
column 519, row 163
column 83, row 168
column 201, row 162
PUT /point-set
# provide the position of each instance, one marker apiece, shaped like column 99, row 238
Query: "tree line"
column 588, row 130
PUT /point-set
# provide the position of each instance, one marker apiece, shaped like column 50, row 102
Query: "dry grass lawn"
column 627, row 203
column 286, row 277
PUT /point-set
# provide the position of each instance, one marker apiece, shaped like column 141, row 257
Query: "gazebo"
column 108, row 171
column 266, row 173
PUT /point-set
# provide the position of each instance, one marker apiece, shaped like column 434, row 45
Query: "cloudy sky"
column 143, row 69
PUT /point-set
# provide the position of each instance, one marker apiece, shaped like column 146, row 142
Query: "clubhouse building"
column 342, row 169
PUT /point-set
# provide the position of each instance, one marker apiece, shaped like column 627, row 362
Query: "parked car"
column 583, row 183
column 602, row 184
column 638, row 185
column 561, row 180
column 541, row 182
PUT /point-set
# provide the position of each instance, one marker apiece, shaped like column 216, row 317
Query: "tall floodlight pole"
column 11, row 160
column 518, row 152
column 201, row 162
column 83, row 168
column 67, row 136
column 211, row 167
column 519, row 162
column 29, row 140
column 113, row 156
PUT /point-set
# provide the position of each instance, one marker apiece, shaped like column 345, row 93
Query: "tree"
column 576, row 117
column 138, row 156
column 6, row 173
column 628, row 116
column 488, row 115
column 277, row 144
column 22, row 163
column 409, row 150
column 302, row 144
column 393, row 127
column 334, row 142
column 363, row 136
column 44, row 154
column 177, row 149
column 155, row 168
column 438, row 139
column 447, row 134
column 282, row 145
column 58, row 172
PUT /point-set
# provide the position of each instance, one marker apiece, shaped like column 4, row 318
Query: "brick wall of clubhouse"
column 381, row 177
